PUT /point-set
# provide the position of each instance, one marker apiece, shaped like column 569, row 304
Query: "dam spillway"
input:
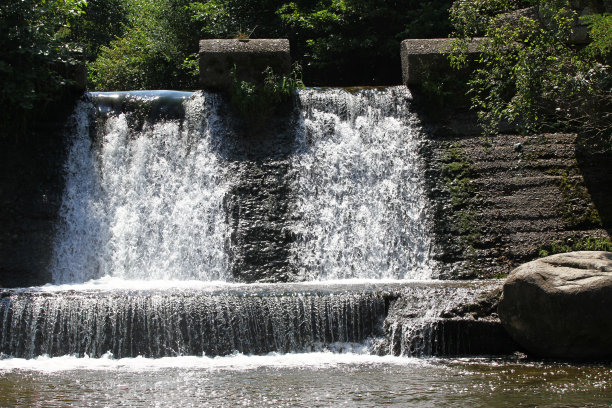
column 170, row 186
column 171, row 191
column 126, row 319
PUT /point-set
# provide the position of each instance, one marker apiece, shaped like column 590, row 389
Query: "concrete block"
column 250, row 57
column 424, row 59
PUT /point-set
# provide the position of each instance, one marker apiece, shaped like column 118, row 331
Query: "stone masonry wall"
column 503, row 200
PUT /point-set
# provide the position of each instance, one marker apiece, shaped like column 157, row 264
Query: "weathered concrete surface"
column 250, row 57
column 561, row 306
column 259, row 200
column 427, row 59
column 447, row 319
column 31, row 186
column 497, row 201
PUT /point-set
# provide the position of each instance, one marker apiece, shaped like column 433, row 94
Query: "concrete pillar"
column 250, row 57
column 427, row 59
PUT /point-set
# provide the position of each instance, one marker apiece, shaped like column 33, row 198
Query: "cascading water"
column 168, row 187
column 361, row 207
column 143, row 199
column 163, row 323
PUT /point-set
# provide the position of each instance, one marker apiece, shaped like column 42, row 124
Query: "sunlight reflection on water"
column 301, row 380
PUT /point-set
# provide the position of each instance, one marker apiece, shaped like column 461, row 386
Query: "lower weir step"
column 404, row 319
column 170, row 324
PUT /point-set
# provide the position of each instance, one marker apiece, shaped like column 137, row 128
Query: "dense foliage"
column 138, row 44
column 157, row 48
column 531, row 72
column 337, row 42
column 357, row 41
column 100, row 22
column 34, row 39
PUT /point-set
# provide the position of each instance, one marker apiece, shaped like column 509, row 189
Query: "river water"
column 161, row 190
column 301, row 380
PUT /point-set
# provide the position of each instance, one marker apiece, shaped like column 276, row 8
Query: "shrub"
column 33, row 37
column 337, row 42
column 357, row 42
column 530, row 74
column 588, row 244
column 157, row 50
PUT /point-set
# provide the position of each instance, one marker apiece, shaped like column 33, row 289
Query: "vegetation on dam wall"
column 503, row 198
column 501, row 201
column 545, row 65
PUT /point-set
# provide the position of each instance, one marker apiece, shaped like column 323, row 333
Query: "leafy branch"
column 529, row 73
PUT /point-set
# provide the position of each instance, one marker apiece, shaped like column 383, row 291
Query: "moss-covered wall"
column 503, row 200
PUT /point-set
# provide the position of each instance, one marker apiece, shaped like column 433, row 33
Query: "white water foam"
column 143, row 204
column 147, row 203
column 361, row 207
column 109, row 283
column 236, row 362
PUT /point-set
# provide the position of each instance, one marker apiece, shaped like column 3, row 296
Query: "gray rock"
column 250, row 57
column 561, row 306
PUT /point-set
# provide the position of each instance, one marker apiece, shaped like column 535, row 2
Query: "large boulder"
column 561, row 306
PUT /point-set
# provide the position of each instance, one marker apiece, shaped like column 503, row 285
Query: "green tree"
column 337, row 42
column 101, row 22
column 530, row 74
column 33, row 40
column 357, row 41
column 157, row 50
column 236, row 18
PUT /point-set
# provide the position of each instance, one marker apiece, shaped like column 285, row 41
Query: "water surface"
column 301, row 380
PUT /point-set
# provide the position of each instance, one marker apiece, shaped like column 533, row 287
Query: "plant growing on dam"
column 256, row 102
column 530, row 73
column 576, row 244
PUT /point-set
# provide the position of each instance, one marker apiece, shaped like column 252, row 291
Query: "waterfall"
column 143, row 197
column 408, row 319
column 180, row 200
column 441, row 319
column 164, row 186
column 159, row 324
column 361, row 204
